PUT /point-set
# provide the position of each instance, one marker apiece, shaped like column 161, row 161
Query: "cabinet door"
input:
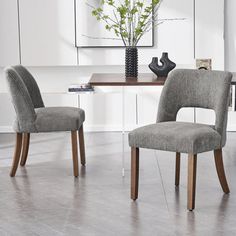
column 148, row 101
column 185, row 114
column 147, row 104
column 47, row 32
column 103, row 111
column 205, row 116
column 9, row 37
column 60, row 99
column 209, row 34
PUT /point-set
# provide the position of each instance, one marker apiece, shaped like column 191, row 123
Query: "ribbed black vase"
column 131, row 62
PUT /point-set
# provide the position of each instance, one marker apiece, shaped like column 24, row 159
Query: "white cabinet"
column 47, row 29
column 209, row 31
column 9, row 40
column 205, row 116
column 185, row 114
column 147, row 104
column 103, row 110
column 231, row 126
column 60, row 99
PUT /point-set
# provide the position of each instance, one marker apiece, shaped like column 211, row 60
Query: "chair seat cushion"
column 174, row 136
column 50, row 119
column 59, row 119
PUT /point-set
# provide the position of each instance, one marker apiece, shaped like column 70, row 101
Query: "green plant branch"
column 119, row 32
column 132, row 18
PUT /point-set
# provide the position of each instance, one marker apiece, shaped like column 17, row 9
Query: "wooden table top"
column 147, row 79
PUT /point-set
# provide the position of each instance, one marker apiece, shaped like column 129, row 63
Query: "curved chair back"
column 25, row 96
column 196, row 88
column 31, row 85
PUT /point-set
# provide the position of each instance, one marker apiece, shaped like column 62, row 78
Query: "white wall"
column 175, row 37
column 9, row 33
column 230, row 35
column 47, row 32
column 209, row 31
column 230, row 49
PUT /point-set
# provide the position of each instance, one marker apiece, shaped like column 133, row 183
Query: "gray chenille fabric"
column 31, row 114
column 188, row 88
column 31, row 85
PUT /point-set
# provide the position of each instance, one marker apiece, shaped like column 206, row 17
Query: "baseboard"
column 87, row 128
column 108, row 128
column 6, row 129
column 231, row 128
column 105, row 128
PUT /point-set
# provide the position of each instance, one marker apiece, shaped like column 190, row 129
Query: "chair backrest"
column 31, row 85
column 25, row 95
column 196, row 88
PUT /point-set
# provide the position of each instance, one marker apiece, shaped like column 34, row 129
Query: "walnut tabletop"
column 144, row 79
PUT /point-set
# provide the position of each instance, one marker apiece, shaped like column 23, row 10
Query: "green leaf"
column 127, row 3
column 124, row 15
column 108, row 27
column 105, row 17
column 110, row 2
column 155, row 2
column 123, row 11
column 94, row 13
column 144, row 17
column 140, row 4
column 134, row 10
column 138, row 31
column 99, row 10
column 125, row 34
column 116, row 32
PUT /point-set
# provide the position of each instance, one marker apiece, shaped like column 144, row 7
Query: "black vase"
column 166, row 65
column 131, row 62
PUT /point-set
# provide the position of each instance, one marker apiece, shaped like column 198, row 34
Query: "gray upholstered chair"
column 33, row 117
column 186, row 88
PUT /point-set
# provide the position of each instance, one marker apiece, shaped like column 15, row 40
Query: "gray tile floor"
column 45, row 199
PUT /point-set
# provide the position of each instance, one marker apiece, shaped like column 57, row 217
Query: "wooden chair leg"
column 192, row 168
column 75, row 152
column 17, row 153
column 177, row 169
column 25, row 148
column 81, row 146
column 220, row 170
column 134, row 172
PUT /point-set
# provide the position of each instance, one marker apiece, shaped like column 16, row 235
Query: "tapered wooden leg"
column 177, row 169
column 25, row 148
column 220, row 170
column 75, row 152
column 134, row 172
column 81, row 146
column 17, row 153
column 192, row 168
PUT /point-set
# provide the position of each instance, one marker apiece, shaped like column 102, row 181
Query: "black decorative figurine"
column 165, row 68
